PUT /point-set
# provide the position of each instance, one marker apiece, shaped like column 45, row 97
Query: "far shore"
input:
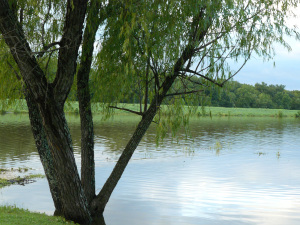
column 20, row 106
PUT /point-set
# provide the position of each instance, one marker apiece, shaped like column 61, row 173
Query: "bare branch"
column 188, row 78
column 203, row 76
column 45, row 49
column 246, row 60
column 128, row 110
column 184, row 93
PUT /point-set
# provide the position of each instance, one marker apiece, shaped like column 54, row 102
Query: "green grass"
column 14, row 216
column 250, row 112
column 223, row 111
column 72, row 107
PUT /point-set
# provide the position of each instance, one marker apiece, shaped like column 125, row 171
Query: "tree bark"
column 50, row 100
column 69, row 45
column 58, row 135
column 43, row 150
column 84, row 99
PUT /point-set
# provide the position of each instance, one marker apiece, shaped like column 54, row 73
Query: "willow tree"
column 147, row 48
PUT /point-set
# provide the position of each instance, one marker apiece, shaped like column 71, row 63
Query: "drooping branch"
column 15, row 72
column 147, row 85
column 45, row 21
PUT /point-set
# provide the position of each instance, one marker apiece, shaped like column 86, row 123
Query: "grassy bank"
column 72, row 107
column 15, row 216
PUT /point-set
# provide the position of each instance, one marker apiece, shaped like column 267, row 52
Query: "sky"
column 287, row 65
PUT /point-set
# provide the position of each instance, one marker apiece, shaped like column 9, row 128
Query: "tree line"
column 235, row 94
column 260, row 95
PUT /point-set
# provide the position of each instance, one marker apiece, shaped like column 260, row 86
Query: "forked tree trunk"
column 50, row 100
column 74, row 203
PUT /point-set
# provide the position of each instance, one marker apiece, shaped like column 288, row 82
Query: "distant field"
column 72, row 107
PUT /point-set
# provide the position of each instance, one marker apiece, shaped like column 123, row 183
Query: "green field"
column 72, row 107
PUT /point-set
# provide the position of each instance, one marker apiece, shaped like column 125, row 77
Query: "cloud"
column 287, row 69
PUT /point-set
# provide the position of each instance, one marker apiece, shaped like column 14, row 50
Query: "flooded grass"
column 12, row 176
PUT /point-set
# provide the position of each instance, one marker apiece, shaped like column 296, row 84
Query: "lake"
column 231, row 170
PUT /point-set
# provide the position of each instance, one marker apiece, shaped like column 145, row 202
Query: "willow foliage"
column 154, row 34
column 42, row 22
column 143, row 40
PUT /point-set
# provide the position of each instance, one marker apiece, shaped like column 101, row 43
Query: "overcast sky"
column 286, row 71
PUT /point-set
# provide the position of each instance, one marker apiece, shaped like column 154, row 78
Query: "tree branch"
column 128, row 110
column 184, row 93
column 14, row 37
column 45, row 49
column 68, row 53
column 205, row 77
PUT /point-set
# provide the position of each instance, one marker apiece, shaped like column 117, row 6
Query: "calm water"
column 233, row 171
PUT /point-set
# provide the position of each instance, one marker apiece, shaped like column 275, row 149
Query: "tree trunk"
column 102, row 198
column 50, row 99
column 99, row 203
column 74, row 203
column 44, row 151
column 84, row 99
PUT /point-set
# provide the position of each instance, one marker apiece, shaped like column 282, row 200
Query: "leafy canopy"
column 141, row 41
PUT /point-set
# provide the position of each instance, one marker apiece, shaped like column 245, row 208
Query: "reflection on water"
column 233, row 171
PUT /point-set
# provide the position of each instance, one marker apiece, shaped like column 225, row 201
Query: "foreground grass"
column 72, row 107
column 14, row 216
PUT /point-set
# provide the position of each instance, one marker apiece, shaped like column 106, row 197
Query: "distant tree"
column 286, row 101
column 295, row 104
column 145, row 47
column 262, row 88
column 246, row 96
column 264, row 101
column 282, row 100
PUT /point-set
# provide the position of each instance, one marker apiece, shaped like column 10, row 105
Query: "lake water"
column 233, row 171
